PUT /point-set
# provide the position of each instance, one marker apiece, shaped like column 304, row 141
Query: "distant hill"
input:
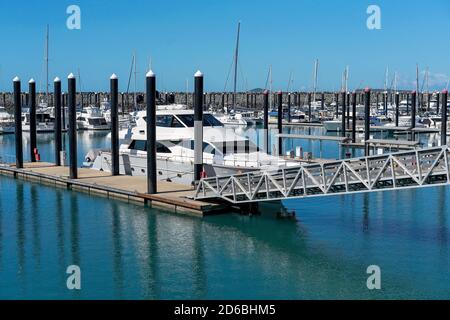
column 257, row 90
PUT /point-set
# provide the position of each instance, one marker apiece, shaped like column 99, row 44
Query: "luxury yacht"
column 224, row 152
column 91, row 118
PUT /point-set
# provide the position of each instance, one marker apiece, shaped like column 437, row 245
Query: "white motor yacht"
column 45, row 122
column 91, row 118
column 224, row 152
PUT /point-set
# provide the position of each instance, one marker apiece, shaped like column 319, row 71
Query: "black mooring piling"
column 289, row 107
column 444, row 118
column 413, row 113
column 397, row 108
column 280, row 122
column 438, row 97
column 151, row 132
column 336, row 96
column 18, row 122
column 343, row 133
column 366, row 120
column 71, row 85
column 114, row 88
column 63, row 110
column 309, row 107
column 32, row 106
column 354, row 117
column 266, row 121
column 198, row 125
column 58, row 122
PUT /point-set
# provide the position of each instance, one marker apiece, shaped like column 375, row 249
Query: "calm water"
column 128, row 251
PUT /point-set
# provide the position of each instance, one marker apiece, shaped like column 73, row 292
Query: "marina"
column 223, row 157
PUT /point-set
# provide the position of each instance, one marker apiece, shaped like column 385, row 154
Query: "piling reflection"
column 60, row 243
column 116, row 233
column 442, row 232
column 21, row 235
column 35, row 223
column 366, row 207
column 74, row 231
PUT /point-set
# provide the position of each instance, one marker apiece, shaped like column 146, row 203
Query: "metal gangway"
column 401, row 170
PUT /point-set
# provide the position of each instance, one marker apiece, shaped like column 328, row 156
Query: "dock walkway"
column 171, row 196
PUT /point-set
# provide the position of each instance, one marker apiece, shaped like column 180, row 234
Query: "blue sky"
column 183, row 36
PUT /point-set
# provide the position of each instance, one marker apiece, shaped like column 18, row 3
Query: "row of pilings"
column 128, row 101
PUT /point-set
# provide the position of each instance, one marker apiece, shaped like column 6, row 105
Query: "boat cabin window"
column 97, row 121
column 206, row 147
column 167, row 121
column 208, row 120
column 43, row 117
column 141, row 145
column 242, row 146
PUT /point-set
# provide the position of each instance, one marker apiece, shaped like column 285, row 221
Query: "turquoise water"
column 134, row 252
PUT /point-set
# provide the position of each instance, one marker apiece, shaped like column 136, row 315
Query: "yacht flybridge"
column 224, row 152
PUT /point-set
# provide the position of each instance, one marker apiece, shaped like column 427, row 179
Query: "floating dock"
column 171, row 196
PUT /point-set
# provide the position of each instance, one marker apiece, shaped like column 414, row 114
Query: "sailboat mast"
column 134, row 94
column 46, row 64
column 316, row 67
column 236, row 55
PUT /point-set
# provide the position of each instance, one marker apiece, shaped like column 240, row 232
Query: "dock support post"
column 114, row 86
column 348, row 109
column 309, row 107
column 198, row 125
column 289, row 107
column 444, row 118
column 280, row 122
column 32, row 105
column 72, row 126
column 151, row 132
column 437, row 102
column 266, row 121
column 337, row 105
column 413, row 114
column 397, row 111
column 63, row 115
column 343, row 133
column 354, row 117
column 366, row 120
column 58, row 136
column 18, row 123
column 323, row 102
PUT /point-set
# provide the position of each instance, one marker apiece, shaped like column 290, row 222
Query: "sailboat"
column 231, row 117
column 45, row 121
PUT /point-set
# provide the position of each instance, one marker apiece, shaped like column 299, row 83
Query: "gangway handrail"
column 405, row 169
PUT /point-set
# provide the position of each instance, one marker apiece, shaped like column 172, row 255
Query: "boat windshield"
column 208, row 120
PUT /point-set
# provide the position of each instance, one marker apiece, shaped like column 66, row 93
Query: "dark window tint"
column 164, row 121
column 140, row 145
column 206, row 147
column 208, row 120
